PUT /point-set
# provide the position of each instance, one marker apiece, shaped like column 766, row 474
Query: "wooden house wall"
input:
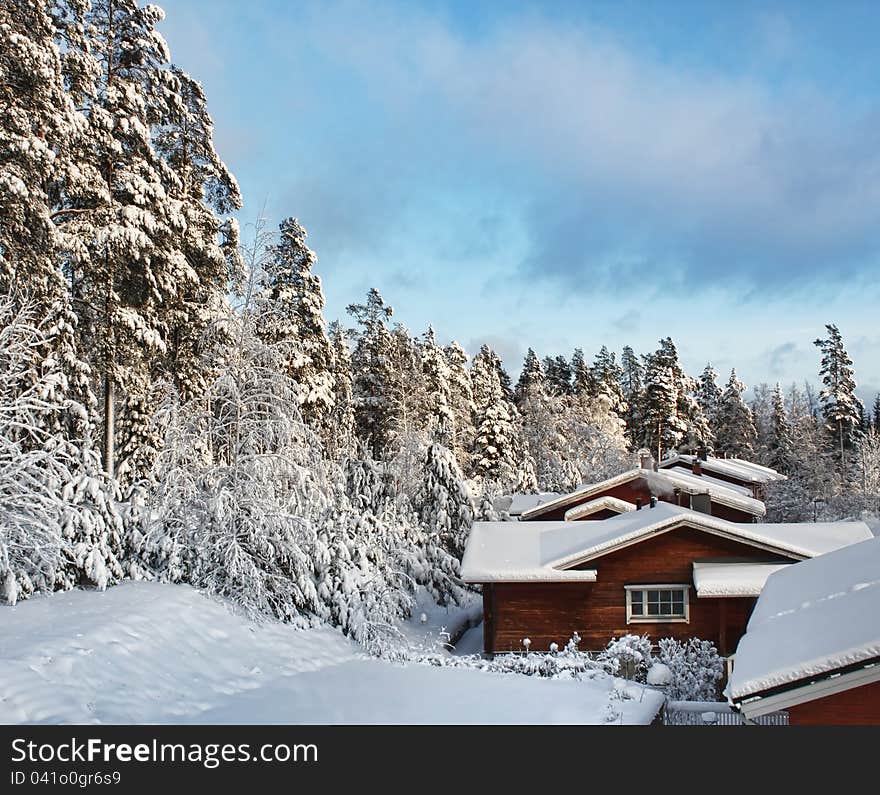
column 551, row 612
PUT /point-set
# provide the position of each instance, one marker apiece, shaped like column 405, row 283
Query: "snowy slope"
column 149, row 653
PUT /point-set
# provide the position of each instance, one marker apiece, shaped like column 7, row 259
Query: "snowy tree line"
column 174, row 405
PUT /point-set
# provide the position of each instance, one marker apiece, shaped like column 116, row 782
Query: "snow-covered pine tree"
column 209, row 241
column 339, row 439
column 438, row 391
column 557, row 372
column 736, row 435
column 40, row 129
column 290, row 311
column 462, row 403
column 124, row 229
column 632, row 377
column 372, row 372
column 662, row 427
column 840, row 406
column 875, row 414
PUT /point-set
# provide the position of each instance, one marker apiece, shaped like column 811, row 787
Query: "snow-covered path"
column 149, row 653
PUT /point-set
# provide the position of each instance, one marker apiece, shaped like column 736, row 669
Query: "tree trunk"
column 109, row 426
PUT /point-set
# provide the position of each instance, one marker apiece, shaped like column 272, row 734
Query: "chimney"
column 698, row 467
column 638, row 503
column 646, row 460
column 653, row 501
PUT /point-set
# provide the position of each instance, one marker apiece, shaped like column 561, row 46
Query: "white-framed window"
column 657, row 603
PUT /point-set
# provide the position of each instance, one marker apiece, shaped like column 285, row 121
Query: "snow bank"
column 150, row 653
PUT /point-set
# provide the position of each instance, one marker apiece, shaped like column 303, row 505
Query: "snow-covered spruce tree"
column 875, row 414
column 498, row 455
column 605, row 378
column 339, row 438
column 372, row 372
column 290, row 311
column 544, row 433
column 209, row 241
column 462, row 403
column 438, row 393
column 840, row 406
column 811, row 484
column 40, row 129
column 780, row 448
column 531, row 378
column 558, row 375
column 735, row 434
column 662, row 427
column 708, row 395
column 59, row 521
column 580, row 373
column 761, row 406
column 632, row 375
column 444, row 502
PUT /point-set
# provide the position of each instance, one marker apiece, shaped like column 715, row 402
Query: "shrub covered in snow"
column 628, row 656
column 59, row 519
column 696, row 669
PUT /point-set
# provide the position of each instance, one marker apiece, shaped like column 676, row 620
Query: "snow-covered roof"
column 747, row 471
column 732, row 579
column 496, row 550
column 704, row 478
column 523, row 502
column 605, row 503
column 812, row 618
column 662, row 482
column 514, row 552
column 723, row 493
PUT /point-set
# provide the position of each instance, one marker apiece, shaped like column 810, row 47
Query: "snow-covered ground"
column 149, row 653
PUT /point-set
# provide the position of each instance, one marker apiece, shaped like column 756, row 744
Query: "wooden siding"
column 551, row 612
column 857, row 707
column 637, row 489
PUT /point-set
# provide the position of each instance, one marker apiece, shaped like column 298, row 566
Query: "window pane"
column 665, row 610
column 665, row 596
column 653, row 596
column 637, row 609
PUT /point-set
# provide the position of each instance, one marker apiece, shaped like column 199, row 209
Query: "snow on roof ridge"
column 598, row 504
column 733, row 466
column 721, row 494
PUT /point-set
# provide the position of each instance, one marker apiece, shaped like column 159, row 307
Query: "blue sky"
column 564, row 174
